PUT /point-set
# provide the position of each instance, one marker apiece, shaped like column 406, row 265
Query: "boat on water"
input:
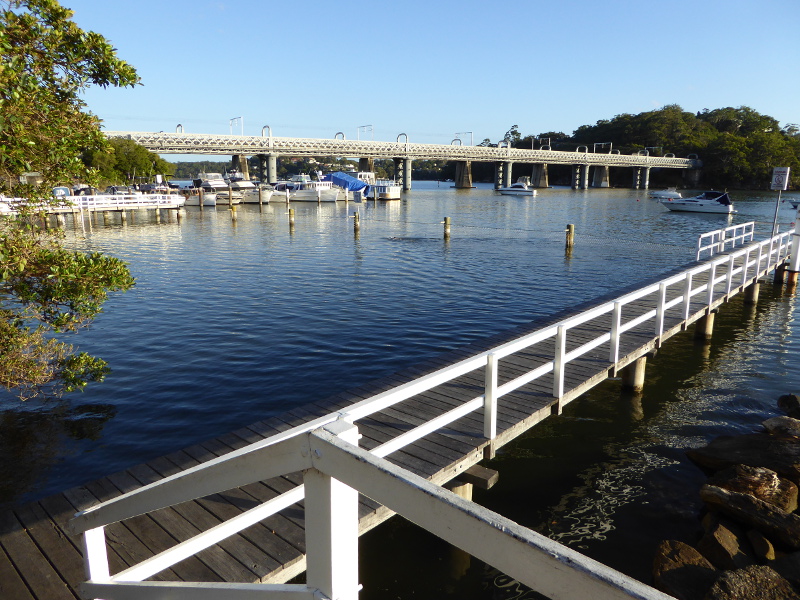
column 251, row 196
column 706, row 202
column 384, row 189
column 794, row 203
column 667, row 193
column 522, row 187
column 301, row 188
column 192, row 196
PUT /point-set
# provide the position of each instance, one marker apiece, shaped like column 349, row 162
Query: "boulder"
column 681, row 571
column 760, row 482
column 725, row 545
column 757, row 582
column 788, row 567
column 790, row 404
column 762, row 548
column 777, row 525
column 781, row 455
column 783, row 426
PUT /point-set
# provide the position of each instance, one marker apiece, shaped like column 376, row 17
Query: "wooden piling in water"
column 570, row 231
column 704, row 327
column 751, row 293
column 633, row 375
column 447, row 228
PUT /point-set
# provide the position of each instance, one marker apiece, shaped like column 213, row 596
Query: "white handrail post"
column 490, row 398
column 558, row 361
column 722, row 241
column 95, row 556
column 745, row 266
column 660, row 310
column 759, row 257
column 712, row 274
column 332, row 527
column 616, row 318
column 687, row 296
column 729, row 283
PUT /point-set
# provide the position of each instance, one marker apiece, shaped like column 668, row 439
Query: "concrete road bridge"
column 269, row 148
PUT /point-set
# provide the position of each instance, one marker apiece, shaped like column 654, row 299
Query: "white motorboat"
column 794, row 203
column 522, row 187
column 225, row 198
column 192, row 196
column 667, row 193
column 707, row 202
column 384, row 189
column 301, row 188
column 251, row 196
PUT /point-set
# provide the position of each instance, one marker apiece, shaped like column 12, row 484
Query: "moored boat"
column 384, row 189
column 301, row 188
column 522, row 187
column 667, row 193
column 706, row 202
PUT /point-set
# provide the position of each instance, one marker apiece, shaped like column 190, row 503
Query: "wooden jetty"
column 432, row 423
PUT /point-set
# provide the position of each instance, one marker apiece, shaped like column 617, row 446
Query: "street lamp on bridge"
column 471, row 141
column 601, row 144
column 233, row 120
column 365, row 128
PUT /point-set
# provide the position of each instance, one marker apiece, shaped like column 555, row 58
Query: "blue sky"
column 432, row 69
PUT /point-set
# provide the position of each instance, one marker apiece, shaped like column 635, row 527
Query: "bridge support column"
column 463, row 175
column 633, row 375
column 601, row 178
column 498, row 175
column 691, row 178
column 641, row 178
column 240, row 164
column 402, row 172
column 580, row 177
column 539, row 176
column 272, row 168
column 507, row 173
column 366, row 164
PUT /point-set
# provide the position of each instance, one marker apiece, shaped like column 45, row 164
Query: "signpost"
column 780, row 181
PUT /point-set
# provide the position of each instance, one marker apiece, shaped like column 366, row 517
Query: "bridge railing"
column 718, row 240
column 336, row 465
column 97, row 202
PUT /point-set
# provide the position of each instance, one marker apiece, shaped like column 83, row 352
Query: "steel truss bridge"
column 195, row 143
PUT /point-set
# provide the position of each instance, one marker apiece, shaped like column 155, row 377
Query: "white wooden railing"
column 718, row 240
column 335, row 469
column 98, row 202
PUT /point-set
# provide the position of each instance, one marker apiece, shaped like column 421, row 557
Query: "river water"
column 232, row 322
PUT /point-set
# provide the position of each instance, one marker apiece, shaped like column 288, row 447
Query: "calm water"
column 230, row 323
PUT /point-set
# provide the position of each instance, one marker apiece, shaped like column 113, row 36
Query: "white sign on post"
column 780, row 178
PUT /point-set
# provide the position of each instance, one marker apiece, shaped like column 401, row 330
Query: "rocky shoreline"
column 750, row 545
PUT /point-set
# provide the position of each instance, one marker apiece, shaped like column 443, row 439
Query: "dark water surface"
column 230, row 323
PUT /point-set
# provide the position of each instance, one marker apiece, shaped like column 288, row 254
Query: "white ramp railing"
column 718, row 240
column 336, row 465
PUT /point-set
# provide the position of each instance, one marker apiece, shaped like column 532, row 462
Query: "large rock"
column 760, row 482
column 788, row 567
column 762, row 547
column 783, row 426
column 778, row 526
column 781, row 455
column 681, row 571
column 751, row 583
column 726, row 546
column 790, row 404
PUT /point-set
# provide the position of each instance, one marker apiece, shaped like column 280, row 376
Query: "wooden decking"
column 40, row 560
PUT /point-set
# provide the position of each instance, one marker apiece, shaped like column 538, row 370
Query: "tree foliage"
column 125, row 161
column 46, row 61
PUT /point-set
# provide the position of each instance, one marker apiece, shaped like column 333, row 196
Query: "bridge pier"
column 366, row 164
column 239, row 162
column 601, row 177
column 641, row 178
column 539, row 177
column 580, row 177
column 704, row 328
column 402, row 172
column 463, row 175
